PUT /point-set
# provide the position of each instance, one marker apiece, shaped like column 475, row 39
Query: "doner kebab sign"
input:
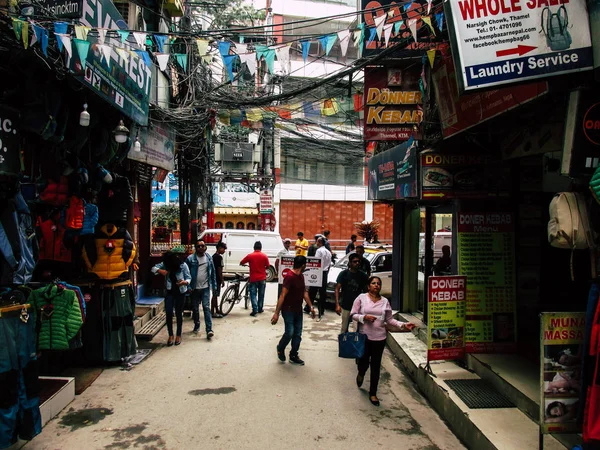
column 507, row 41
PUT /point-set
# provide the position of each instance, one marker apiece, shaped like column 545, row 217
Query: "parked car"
column 240, row 243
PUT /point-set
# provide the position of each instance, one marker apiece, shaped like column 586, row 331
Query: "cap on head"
column 287, row 240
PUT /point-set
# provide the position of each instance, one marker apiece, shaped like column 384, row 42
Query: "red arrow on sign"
column 519, row 50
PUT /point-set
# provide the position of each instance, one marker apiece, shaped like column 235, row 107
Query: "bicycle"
column 233, row 294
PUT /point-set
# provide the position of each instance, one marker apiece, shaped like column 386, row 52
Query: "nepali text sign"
column 486, row 255
column 266, row 202
column 447, row 298
column 393, row 173
column 459, row 113
column 157, row 146
column 313, row 275
column 507, row 41
column 392, row 99
column 561, row 346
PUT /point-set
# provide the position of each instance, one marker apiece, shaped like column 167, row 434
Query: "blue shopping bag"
column 351, row 345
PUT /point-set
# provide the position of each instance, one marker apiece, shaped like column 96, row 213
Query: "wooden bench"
column 152, row 328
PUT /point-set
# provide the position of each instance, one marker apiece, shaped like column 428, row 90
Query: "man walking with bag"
column 202, row 270
column 351, row 282
column 290, row 306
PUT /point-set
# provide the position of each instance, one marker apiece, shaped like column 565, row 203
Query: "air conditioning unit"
column 237, row 157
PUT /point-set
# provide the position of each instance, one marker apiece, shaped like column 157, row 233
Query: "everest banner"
column 508, row 41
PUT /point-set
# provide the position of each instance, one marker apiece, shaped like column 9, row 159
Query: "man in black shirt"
column 218, row 261
column 352, row 282
column 364, row 265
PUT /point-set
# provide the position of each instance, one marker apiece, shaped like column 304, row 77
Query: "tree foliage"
column 232, row 13
column 165, row 215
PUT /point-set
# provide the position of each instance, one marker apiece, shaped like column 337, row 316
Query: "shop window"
column 229, row 225
column 219, row 225
column 240, row 226
column 251, row 226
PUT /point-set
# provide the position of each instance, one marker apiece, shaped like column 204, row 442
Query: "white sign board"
column 313, row 276
column 507, row 41
column 266, row 202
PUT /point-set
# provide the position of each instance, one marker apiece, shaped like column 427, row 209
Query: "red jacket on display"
column 56, row 193
column 52, row 246
column 74, row 214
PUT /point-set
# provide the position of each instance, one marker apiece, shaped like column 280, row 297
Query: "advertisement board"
column 157, row 146
column 266, row 202
column 560, row 375
column 500, row 42
column 594, row 12
column 393, row 173
column 60, row 9
column 392, row 99
column 486, row 256
column 313, row 274
column 459, row 113
column 447, row 296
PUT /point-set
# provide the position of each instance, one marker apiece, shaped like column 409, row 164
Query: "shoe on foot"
column 196, row 330
column 359, row 380
column 319, row 319
column 178, row 340
column 170, row 341
column 281, row 355
column 253, row 313
column 210, row 334
column 374, row 400
column 260, row 311
column 296, row 360
column 217, row 315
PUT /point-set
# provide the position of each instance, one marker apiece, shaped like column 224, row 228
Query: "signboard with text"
column 10, row 141
column 486, row 256
column 500, row 42
column 266, row 202
column 393, row 173
column 157, row 146
column 562, row 336
column 392, row 99
column 60, row 8
column 313, row 275
column 447, row 297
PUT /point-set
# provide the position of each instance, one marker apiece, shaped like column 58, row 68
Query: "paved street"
column 232, row 392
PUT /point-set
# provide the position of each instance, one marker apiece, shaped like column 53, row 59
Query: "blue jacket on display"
column 90, row 219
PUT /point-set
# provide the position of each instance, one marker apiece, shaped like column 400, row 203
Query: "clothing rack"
column 11, row 311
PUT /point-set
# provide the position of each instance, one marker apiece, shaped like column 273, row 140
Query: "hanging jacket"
column 52, row 245
column 57, row 315
column 90, row 219
column 114, row 200
column 74, row 213
column 109, row 253
column 18, row 244
column 57, row 192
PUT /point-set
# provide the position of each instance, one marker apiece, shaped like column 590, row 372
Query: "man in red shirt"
column 258, row 263
column 290, row 305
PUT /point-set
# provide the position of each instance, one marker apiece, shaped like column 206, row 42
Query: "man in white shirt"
column 287, row 242
column 325, row 256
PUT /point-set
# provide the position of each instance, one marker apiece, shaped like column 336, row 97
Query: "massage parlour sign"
column 392, row 104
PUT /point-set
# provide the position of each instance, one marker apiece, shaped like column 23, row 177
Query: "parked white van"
column 240, row 243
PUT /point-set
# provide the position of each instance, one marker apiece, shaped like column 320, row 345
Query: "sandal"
column 170, row 341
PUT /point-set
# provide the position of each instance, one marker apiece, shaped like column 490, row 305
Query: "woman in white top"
column 373, row 312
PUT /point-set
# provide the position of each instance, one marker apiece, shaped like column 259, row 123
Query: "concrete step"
column 481, row 429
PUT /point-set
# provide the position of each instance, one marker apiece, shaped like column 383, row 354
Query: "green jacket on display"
column 57, row 316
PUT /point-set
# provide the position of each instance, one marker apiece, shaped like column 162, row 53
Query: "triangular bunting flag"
column 101, row 35
column 163, row 60
column 81, row 32
column 124, row 34
column 145, row 56
column 379, row 22
column 181, row 60
column 270, row 59
column 372, row 36
column 344, row 37
column 387, row 32
column 224, row 48
column 65, row 39
column 34, row 36
column 241, row 48
column 106, row 51
column 305, row 49
column 431, row 56
column 124, row 54
column 412, row 24
column 140, row 39
column 82, row 48
column 207, row 59
column 359, row 37
column 427, row 20
column 250, row 60
column 439, row 18
column 60, row 28
column 407, row 6
column 160, row 42
column 283, row 56
column 228, row 63
column 397, row 26
column 43, row 38
column 428, row 6
column 25, row 34
column 202, row 45
column 17, row 27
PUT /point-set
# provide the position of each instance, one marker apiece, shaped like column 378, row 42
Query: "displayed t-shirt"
column 353, row 284
column 295, row 296
column 202, row 277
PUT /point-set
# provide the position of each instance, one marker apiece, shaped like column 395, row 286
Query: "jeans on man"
column 174, row 300
column 293, row 332
column 201, row 295
column 257, row 287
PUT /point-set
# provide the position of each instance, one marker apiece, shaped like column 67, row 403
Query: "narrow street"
column 232, row 392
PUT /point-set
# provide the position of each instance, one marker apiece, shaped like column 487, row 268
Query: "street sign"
column 266, row 202
column 508, row 41
column 313, row 275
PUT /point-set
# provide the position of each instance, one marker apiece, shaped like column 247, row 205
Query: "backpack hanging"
column 554, row 26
